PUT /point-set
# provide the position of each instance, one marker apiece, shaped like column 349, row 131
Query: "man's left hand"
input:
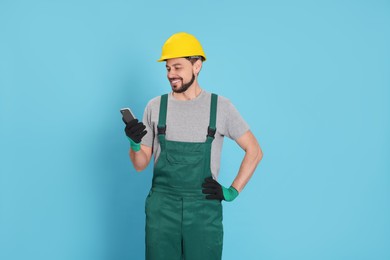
column 216, row 191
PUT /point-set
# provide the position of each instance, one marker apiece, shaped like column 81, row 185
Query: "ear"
column 197, row 66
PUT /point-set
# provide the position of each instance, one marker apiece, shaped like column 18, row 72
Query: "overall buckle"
column 211, row 132
column 161, row 130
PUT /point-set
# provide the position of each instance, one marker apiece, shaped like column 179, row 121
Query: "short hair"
column 193, row 59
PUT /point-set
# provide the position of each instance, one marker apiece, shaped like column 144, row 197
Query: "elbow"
column 139, row 168
column 255, row 153
column 259, row 155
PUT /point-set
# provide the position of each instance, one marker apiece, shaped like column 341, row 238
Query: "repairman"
column 184, row 130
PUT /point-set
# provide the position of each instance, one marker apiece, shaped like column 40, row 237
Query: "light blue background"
column 312, row 78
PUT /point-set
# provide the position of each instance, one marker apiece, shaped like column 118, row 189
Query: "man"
column 184, row 130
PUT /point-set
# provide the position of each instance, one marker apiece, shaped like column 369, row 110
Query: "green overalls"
column 180, row 222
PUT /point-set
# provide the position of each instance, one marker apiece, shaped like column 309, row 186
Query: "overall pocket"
column 189, row 158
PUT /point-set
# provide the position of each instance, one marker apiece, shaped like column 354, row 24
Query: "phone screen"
column 127, row 114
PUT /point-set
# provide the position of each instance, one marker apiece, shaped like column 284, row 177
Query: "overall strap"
column 213, row 118
column 162, row 117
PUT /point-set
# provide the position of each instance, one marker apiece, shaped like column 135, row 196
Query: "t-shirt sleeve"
column 235, row 125
column 147, row 120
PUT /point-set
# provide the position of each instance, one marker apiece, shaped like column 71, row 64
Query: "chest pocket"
column 186, row 158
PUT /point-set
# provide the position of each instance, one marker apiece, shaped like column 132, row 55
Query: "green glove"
column 135, row 131
column 229, row 194
column 216, row 191
column 134, row 146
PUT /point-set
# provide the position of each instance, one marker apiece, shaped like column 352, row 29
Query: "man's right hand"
column 135, row 131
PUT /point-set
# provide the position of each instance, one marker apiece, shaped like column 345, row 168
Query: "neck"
column 191, row 93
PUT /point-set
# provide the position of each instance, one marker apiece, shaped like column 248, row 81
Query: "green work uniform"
column 180, row 222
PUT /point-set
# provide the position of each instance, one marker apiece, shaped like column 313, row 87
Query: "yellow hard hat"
column 181, row 45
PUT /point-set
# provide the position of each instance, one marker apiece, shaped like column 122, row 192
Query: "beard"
column 184, row 86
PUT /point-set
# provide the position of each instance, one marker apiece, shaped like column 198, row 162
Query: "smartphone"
column 127, row 114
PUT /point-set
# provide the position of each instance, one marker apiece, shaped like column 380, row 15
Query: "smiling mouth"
column 174, row 81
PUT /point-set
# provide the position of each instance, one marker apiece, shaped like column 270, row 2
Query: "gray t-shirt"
column 188, row 121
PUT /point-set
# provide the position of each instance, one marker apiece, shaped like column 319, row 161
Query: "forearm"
column 141, row 158
column 252, row 158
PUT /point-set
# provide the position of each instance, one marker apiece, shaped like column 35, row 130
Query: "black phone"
column 127, row 114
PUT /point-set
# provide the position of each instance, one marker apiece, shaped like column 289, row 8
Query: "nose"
column 170, row 74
